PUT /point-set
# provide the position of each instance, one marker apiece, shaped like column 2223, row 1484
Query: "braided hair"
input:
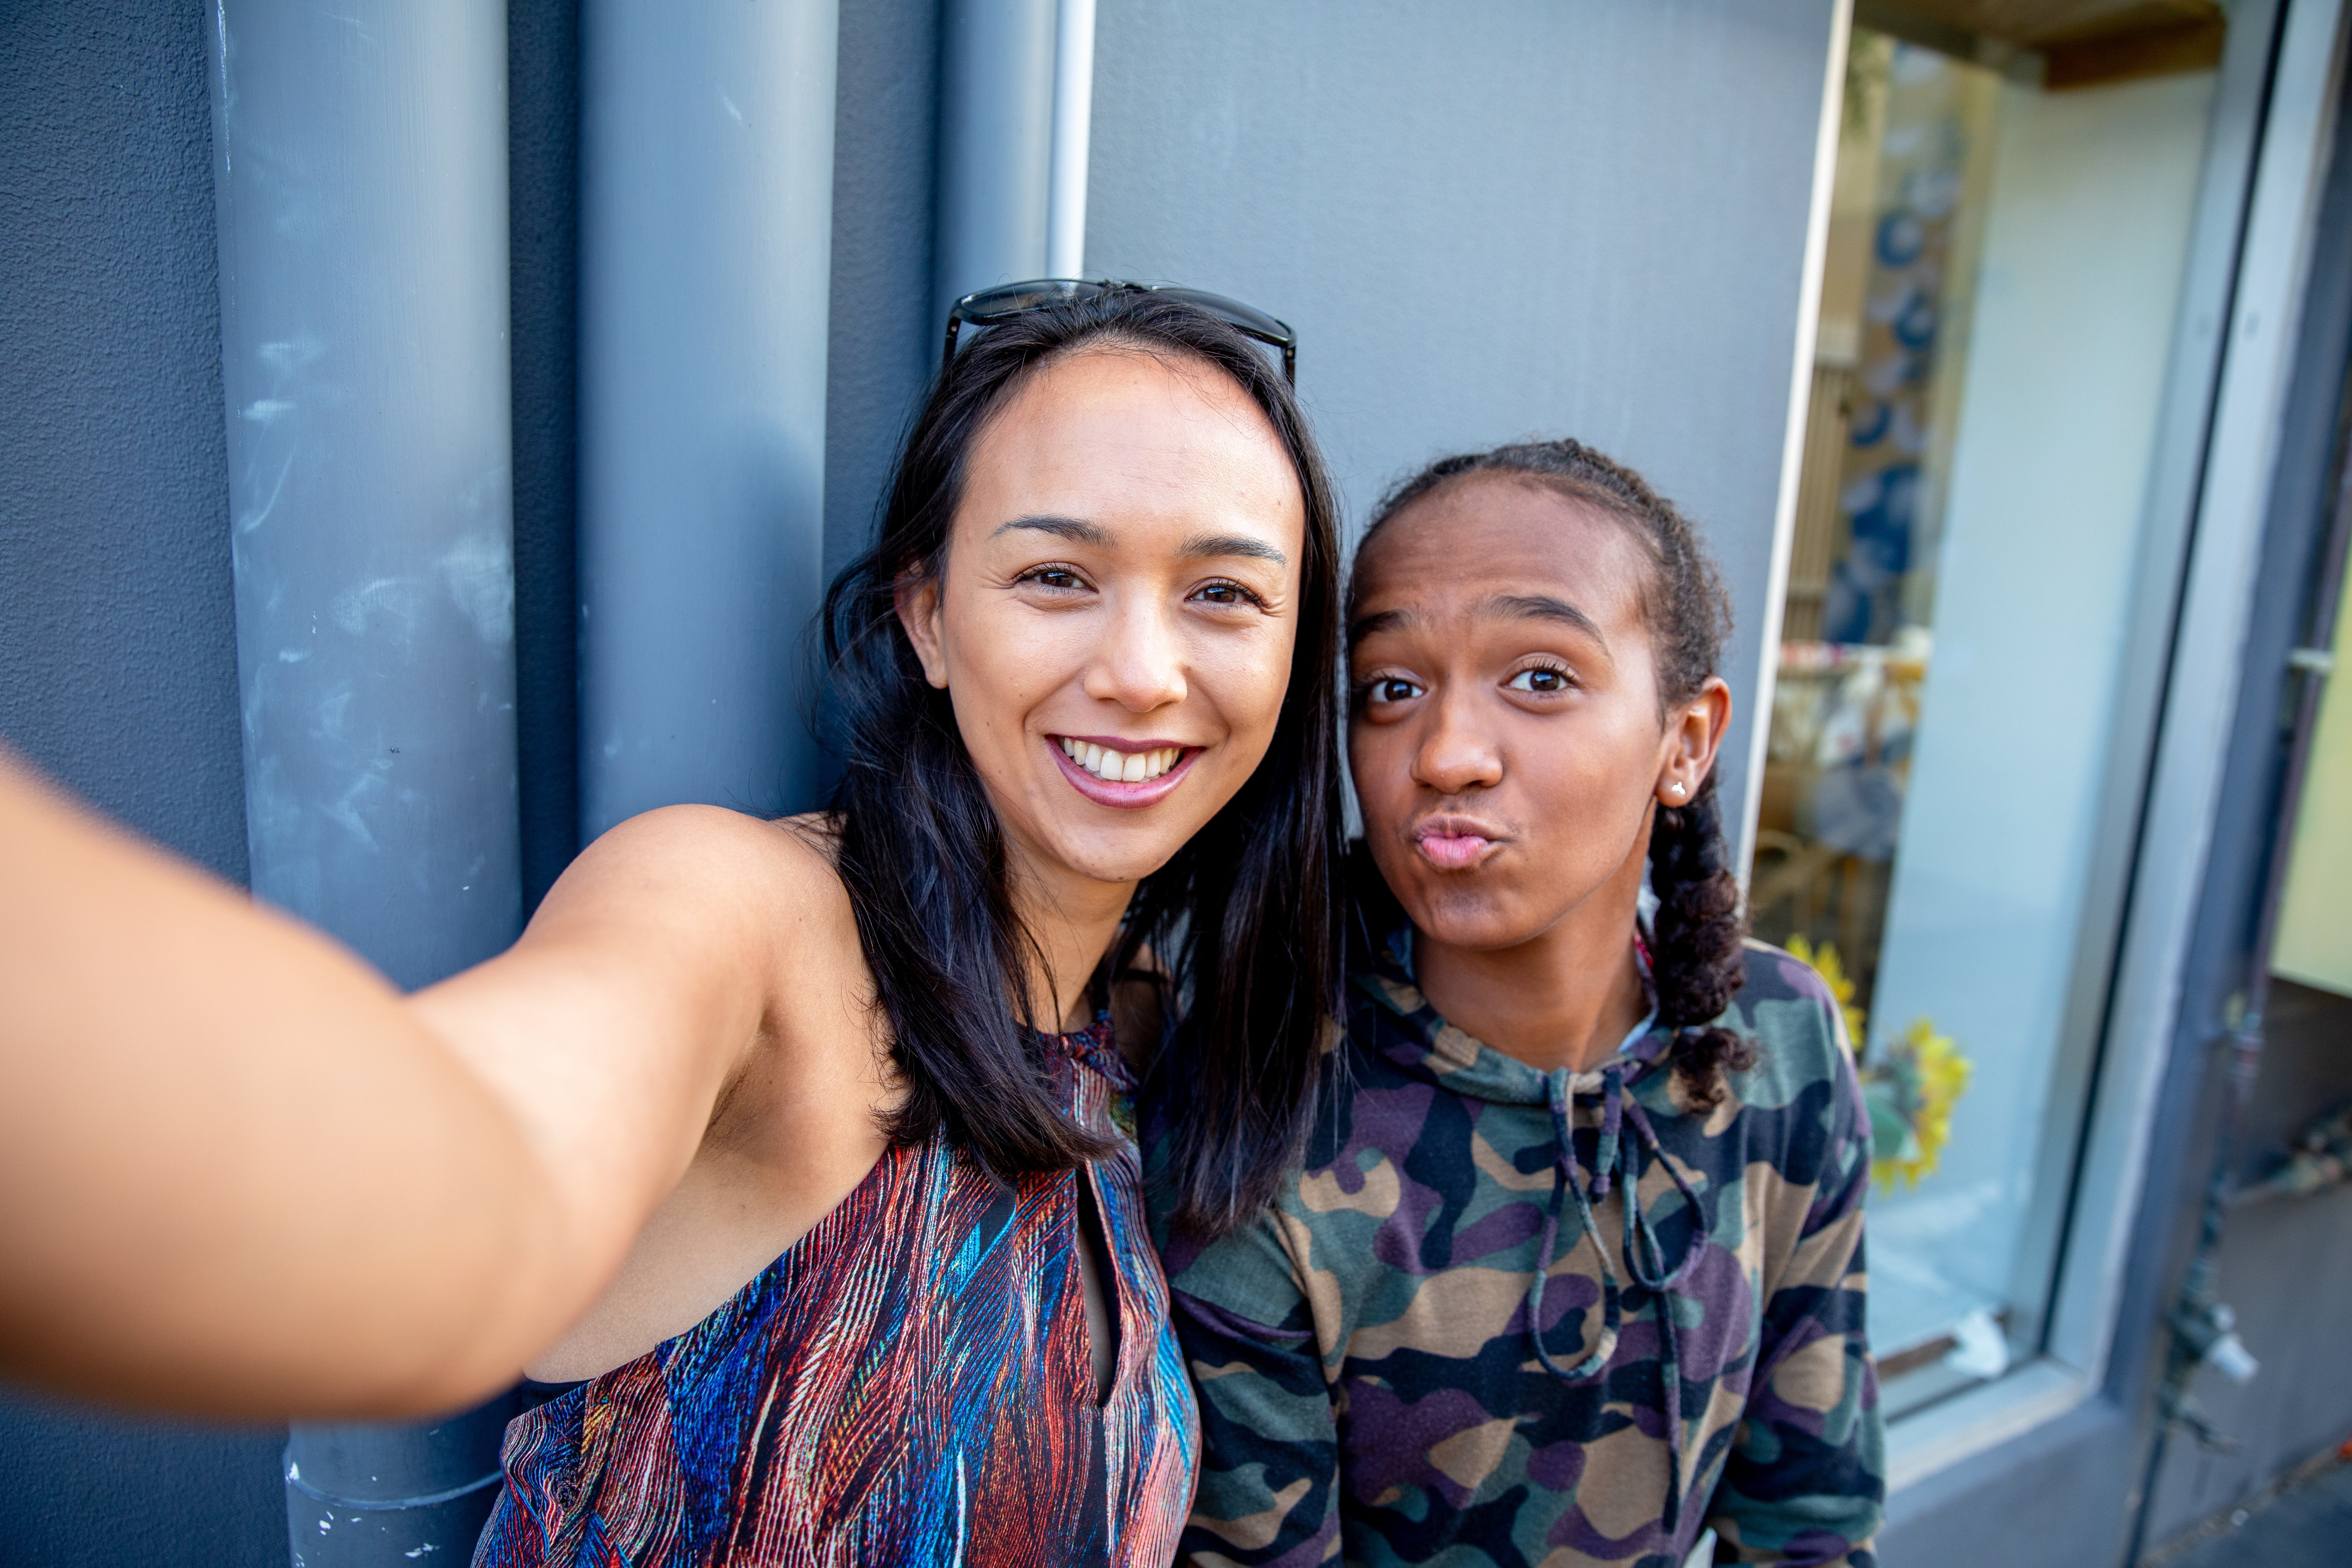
column 1696, row 962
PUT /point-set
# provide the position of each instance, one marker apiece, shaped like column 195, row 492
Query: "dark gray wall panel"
column 884, row 339
column 543, row 239
column 1560, row 218
column 118, row 653
column 85, row 1490
column 117, row 658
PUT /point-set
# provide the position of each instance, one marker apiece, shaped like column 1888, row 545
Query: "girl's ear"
column 1695, row 732
column 915, row 597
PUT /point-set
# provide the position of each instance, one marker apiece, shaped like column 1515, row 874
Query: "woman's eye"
column 1539, row 679
column 1053, row 577
column 1392, row 688
column 1224, row 594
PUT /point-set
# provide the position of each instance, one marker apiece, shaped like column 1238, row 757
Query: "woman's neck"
column 1073, row 919
column 1566, row 997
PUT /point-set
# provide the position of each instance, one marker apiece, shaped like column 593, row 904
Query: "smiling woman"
column 794, row 1159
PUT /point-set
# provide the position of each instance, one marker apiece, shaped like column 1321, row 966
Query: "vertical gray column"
column 360, row 171
column 706, row 234
column 996, row 142
column 360, row 174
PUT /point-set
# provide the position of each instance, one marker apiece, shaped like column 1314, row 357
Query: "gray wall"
column 118, row 654
column 1557, row 218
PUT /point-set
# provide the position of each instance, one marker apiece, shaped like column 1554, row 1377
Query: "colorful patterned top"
column 910, row 1382
column 1391, row 1373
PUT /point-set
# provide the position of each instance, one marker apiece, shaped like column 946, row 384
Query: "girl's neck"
column 1566, row 997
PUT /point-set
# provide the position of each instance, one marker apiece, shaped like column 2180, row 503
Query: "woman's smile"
column 1126, row 774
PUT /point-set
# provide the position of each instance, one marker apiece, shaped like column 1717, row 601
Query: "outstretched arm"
column 240, row 1173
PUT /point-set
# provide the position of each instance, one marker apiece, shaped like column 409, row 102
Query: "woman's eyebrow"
column 1544, row 607
column 1203, row 546
column 1076, row 529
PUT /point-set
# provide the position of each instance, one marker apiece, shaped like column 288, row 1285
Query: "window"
column 1952, row 779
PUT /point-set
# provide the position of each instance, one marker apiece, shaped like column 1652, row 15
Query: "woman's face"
column 1504, row 732
column 1115, row 615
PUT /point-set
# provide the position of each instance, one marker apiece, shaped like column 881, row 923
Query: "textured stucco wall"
column 118, row 652
column 117, row 658
column 1556, row 217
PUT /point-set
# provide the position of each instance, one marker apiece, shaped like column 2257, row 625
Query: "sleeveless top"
column 911, row 1382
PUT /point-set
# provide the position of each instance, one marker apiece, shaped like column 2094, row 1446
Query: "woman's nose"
column 1139, row 664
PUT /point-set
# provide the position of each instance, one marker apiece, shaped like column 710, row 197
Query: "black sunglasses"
column 1006, row 300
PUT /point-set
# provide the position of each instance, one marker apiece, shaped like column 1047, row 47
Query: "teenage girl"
column 796, row 1154
column 1574, row 1268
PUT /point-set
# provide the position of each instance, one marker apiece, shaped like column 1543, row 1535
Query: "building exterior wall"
column 118, row 652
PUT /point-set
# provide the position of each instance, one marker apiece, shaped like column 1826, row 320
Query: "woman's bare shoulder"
column 721, row 875
column 716, row 851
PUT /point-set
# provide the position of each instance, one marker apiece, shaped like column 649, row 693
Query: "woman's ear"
column 1695, row 732
column 917, row 600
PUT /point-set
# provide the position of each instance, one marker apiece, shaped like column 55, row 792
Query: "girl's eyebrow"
column 1515, row 606
column 1544, row 607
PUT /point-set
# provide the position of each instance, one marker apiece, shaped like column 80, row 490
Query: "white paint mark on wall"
column 479, row 573
column 251, row 520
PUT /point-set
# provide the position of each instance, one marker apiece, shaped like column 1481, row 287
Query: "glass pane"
column 2005, row 268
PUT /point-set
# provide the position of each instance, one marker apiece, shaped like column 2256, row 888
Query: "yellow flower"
column 1831, row 969
column 1934, row 1075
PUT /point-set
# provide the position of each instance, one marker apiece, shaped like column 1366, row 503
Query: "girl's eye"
column 1225, row 593
column 1390, row 688
column 1539, row 679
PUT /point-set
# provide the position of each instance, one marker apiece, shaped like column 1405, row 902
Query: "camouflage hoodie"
column 1388, row 1374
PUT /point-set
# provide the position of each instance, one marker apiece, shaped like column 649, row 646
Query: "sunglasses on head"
column 991, row 307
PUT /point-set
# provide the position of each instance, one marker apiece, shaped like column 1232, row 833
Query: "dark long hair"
column 1240, row 923
column 1695, row 937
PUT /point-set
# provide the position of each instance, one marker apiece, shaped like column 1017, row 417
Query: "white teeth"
column 1122, row 767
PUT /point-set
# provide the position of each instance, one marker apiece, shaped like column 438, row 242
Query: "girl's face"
column 1114, row 619
column 1504, row 732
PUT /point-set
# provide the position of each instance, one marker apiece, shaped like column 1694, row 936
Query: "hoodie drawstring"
column 1617, row 1161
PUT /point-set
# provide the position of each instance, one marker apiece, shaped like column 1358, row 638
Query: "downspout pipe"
column 705, row 252
column 1074, row 111
column 996, row 145
column 1016, row 109
column 360, row 168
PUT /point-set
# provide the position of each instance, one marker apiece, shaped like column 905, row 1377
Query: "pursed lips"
column 1454, row 843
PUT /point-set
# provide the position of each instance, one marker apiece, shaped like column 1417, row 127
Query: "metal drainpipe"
column 997, row 101
column 359, row 166
column 706, row 247
column 1074, row 110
